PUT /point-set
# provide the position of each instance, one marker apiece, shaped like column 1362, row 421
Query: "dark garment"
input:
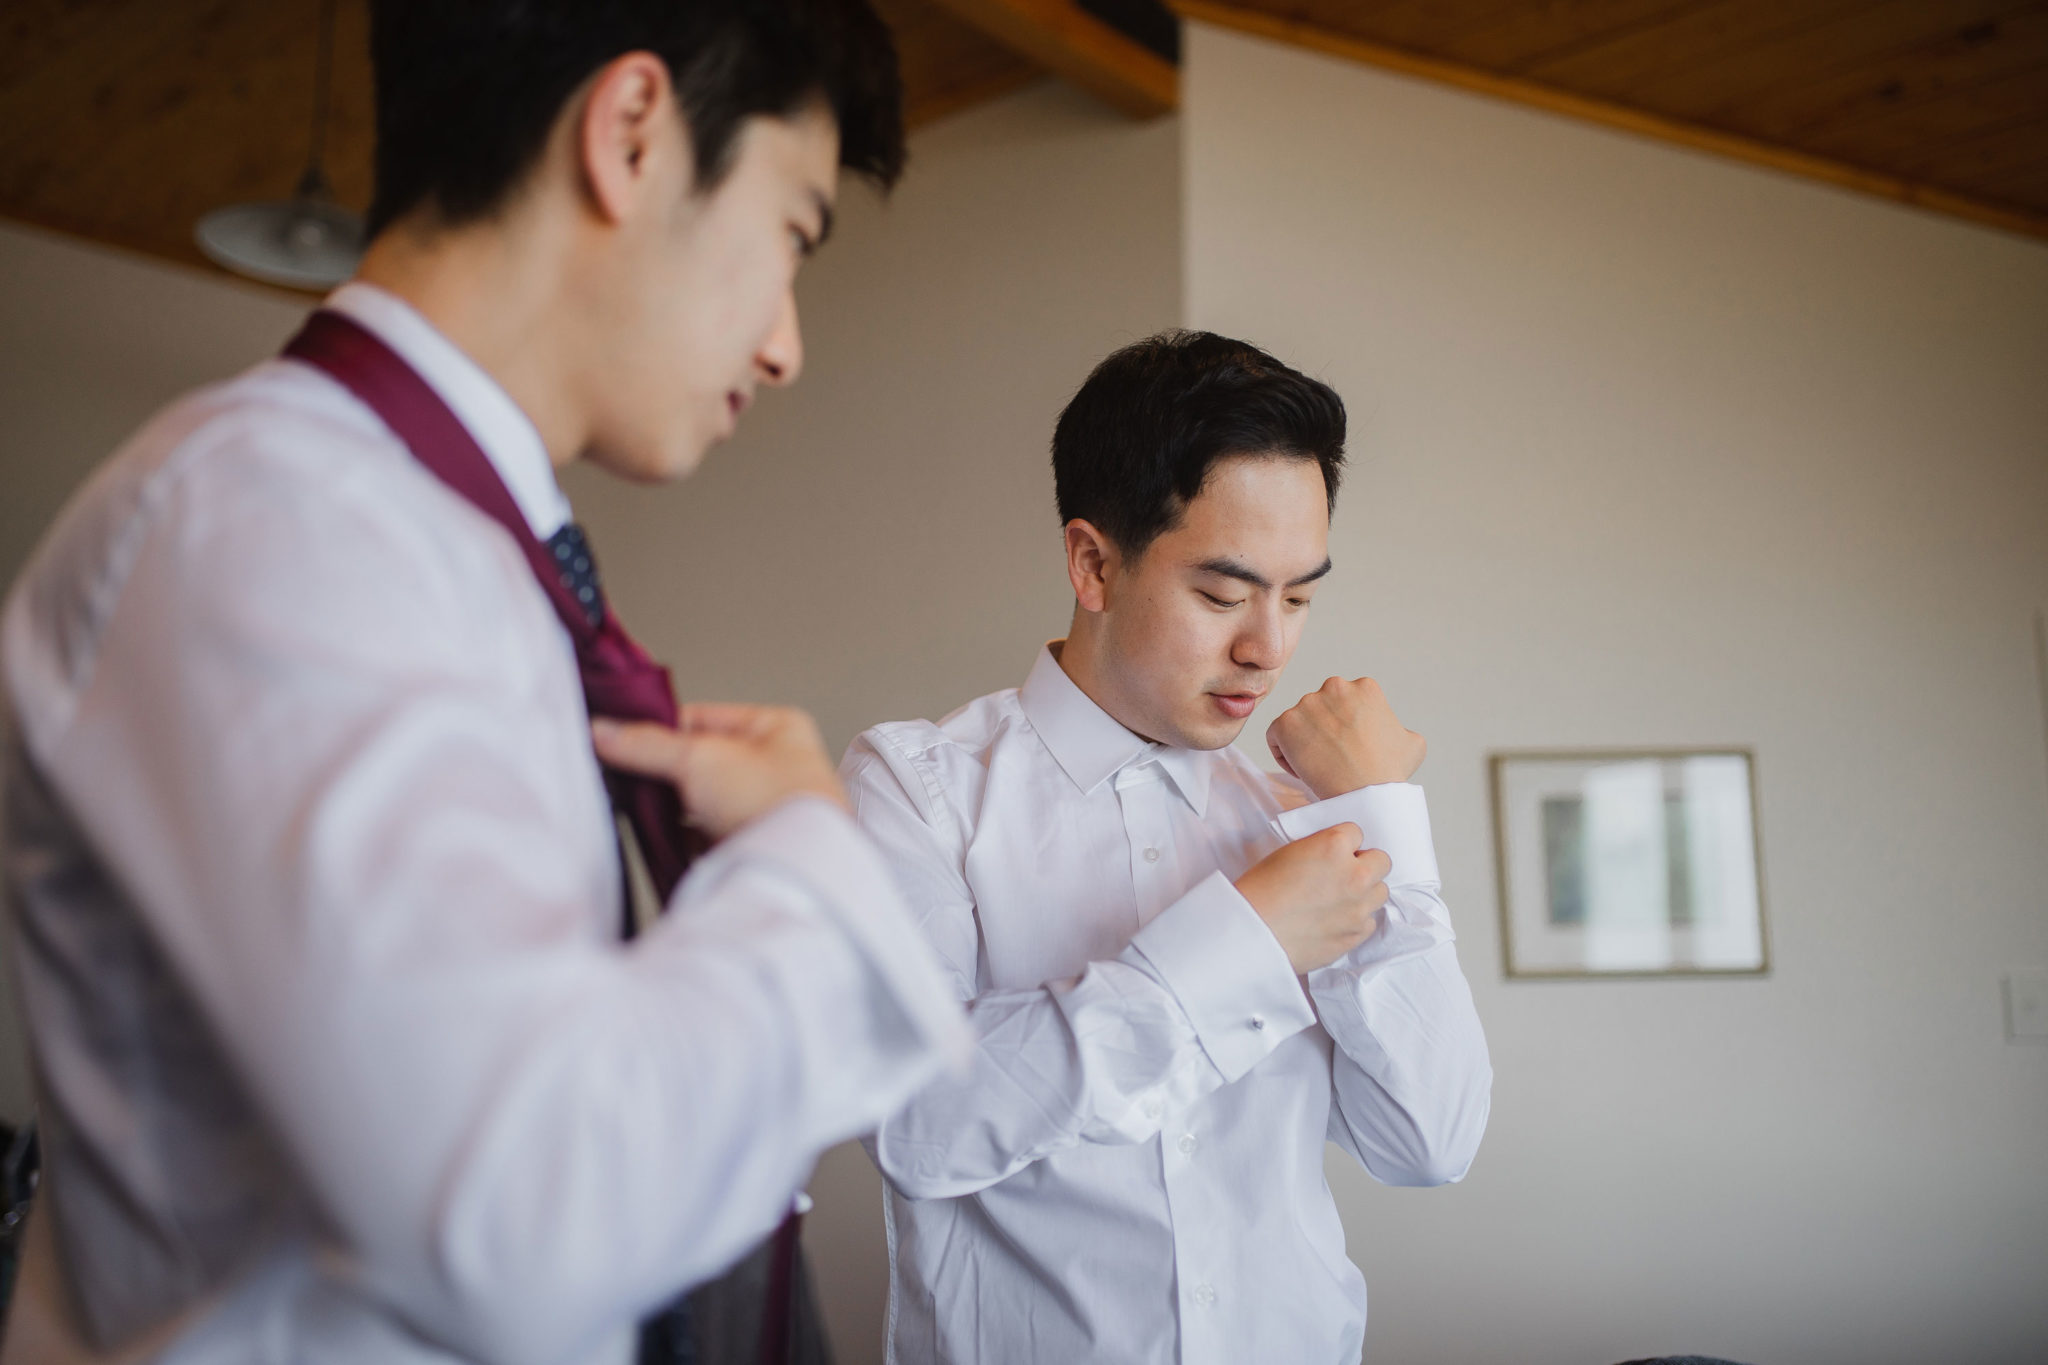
column 721, row 1323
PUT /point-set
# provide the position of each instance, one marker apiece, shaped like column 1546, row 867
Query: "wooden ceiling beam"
column 1553, row 100
column 1062, row 37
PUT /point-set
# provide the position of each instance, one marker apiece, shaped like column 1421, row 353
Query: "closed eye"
column 1216, row 601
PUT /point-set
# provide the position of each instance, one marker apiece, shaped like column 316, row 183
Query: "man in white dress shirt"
column 316, row 890
column 1185, row 975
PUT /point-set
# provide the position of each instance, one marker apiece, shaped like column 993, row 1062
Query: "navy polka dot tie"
column 578, row 568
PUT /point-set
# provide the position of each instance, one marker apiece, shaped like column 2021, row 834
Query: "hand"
column 1344, row 736
column 731, row 762
column 1320, row 896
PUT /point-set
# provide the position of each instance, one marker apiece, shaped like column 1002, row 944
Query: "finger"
column 1375, row 862
column 713, row 759
column 1344, row 838
column 638, row 746
column 1278, row 757
column 798, row 723
column 723, row 717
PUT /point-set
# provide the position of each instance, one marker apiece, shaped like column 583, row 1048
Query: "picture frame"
column 1628, row 863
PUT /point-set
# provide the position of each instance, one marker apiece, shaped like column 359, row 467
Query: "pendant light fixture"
column 308, row 241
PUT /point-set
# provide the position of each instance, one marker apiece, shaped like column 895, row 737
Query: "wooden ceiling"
column 1939, row 102
column 125, row 120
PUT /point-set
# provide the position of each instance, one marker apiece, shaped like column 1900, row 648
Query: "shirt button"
column 1258, row 1021
column 1153, row 1109
column 1205, row 1294
column 1151, row 855
column 1187, row 1144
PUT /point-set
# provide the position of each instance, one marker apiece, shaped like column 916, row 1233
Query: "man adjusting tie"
column 319, row 888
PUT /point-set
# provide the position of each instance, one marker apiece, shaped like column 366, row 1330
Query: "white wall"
column 878, row 543
column 1653, row 449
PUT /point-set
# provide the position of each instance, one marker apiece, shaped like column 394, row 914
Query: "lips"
column 1237, row 705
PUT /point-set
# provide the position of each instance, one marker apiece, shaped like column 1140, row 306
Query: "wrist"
column 1329, row 786
column 1252, row 887
column 825, row 789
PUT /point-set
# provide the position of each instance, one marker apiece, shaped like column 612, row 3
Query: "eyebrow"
column 1225, row 567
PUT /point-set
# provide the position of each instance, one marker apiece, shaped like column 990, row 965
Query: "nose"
column 1262, row 644
column 781, row 357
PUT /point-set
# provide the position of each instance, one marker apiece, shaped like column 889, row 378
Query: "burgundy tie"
column 620, row 679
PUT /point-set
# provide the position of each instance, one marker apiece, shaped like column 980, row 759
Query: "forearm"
column 1411, row 1076
column 1202, row 994
column 661, row 1126
column 1099, row 1058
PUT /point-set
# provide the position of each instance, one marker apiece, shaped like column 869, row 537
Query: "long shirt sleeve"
column 1412, row 1079
column 316, row 889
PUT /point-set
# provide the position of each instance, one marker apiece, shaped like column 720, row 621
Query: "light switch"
column 2026, row 1003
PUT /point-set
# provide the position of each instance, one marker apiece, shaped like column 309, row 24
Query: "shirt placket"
column 1141, row 791
column 1145, row 795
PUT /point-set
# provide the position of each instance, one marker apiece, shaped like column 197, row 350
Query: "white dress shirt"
column 316, row 893
column 1132, row 1171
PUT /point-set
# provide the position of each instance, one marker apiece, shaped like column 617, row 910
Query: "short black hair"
column 468, row 90
column 1135, row 445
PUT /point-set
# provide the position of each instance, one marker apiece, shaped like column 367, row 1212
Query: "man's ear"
column 1092, row 560
column 628, row 125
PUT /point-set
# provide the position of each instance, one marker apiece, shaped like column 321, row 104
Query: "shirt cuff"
column 1395, row 818
column 1229, row 973
column 818, row 843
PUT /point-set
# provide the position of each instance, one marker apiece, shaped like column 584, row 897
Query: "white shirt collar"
column 505, row 433
column 1091, row 746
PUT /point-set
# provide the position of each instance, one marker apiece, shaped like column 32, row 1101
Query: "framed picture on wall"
column 1629, row 863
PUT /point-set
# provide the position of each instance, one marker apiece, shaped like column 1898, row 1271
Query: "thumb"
column 638, row 746
column 1344, row 838
column 1273, row 744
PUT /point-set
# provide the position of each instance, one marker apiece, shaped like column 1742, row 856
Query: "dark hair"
column 1134, row 446
column 468, row 90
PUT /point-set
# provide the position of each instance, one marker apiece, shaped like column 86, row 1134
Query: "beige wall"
column 878, row 543
column 1655, row 449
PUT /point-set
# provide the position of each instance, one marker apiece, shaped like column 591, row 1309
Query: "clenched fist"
column 1320, row 896
column 731, row 762
column 1344, row 736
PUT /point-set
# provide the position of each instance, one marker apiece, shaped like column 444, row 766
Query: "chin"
column 676, row 460
column 650, row 462
column 1212, row 735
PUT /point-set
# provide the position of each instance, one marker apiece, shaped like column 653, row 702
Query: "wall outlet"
column 2026, row 1003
